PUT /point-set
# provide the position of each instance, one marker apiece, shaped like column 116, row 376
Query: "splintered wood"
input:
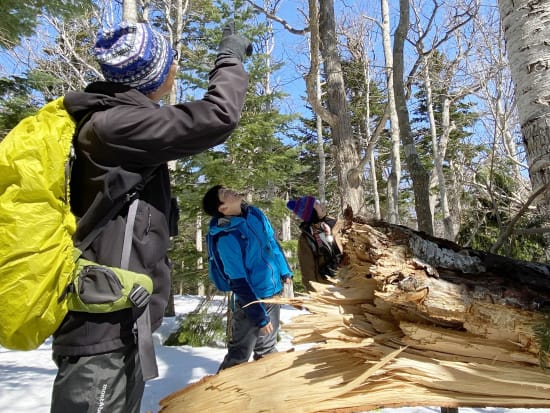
column 411, row 320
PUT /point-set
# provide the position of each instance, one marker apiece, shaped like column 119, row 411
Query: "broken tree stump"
column 411, row 320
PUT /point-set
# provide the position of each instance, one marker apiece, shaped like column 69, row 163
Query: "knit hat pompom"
column 303, row 207
column 135, row 55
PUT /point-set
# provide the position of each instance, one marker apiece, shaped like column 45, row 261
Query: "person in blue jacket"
column 254, row 268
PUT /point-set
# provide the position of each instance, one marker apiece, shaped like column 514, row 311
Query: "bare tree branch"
column 278, row 19
column 531, row 231
column 310, row 78
column 510, row 228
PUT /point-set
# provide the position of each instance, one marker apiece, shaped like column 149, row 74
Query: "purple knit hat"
column 303, row 207
column 135, row 55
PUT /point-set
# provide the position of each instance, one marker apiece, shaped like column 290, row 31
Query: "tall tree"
column 419, row 175
column 347, row 159
column 255, row 159
column 366, row 106
column 395, row 172
column 525, row 27
column 323, row 43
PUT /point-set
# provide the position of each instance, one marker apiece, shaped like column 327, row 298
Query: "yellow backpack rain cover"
column 36, row 227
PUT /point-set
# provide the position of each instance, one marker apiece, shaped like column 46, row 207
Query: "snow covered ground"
column 26, row 377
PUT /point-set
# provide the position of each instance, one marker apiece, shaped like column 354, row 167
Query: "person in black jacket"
column 126, row 138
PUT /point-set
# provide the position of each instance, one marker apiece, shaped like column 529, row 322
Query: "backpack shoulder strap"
column 115, row 209
column 132, row 195
column 310, row 239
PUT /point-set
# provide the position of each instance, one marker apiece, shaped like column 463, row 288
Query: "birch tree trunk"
column 437, row 151
column 450, row 223
column 525, row 24
column 201, row 290
column 129, row 10
column 374, row 179
column 174, row 32
column 395, row 174
column 321, row 149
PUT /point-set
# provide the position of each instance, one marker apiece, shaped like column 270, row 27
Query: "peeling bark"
column 524, row 23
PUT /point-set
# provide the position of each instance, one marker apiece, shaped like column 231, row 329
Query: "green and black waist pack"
column 98, row 288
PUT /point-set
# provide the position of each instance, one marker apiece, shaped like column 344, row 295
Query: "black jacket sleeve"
column 143, row 133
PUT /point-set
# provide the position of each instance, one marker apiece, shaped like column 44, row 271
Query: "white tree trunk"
column 375, row 194
column 175, row 34
column 129, row 10
column 526, row 30
column 321, row 149
column 395, row 174
column 198, row 245
column 437, row 151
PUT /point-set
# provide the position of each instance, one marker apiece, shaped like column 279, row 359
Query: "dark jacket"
column 318, row 258
column 129, row 137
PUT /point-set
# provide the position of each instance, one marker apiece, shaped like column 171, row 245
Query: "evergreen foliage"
column 201, row 327
column 305, row 179
column 20, row 18
column 255, row 159
column 17, row 102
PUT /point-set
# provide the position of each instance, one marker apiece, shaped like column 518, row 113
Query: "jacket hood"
column 100, row 96
column 227, row 224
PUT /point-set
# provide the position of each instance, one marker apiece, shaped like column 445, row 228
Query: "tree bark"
column 411, row 320
column 347, row 159
column 321, row 147
column 394, row 177
column 419, row 175
column 524, row 23
column 129, row 10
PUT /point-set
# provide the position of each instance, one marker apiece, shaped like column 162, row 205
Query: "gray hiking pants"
column 103, row 383
column 246, row 337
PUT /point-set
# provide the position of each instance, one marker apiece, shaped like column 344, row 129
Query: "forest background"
column 402, row 110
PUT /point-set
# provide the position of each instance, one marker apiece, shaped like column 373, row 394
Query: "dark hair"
column 314, row 217
column 211, row 202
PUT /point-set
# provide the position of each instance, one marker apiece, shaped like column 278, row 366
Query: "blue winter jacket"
column 252, row 259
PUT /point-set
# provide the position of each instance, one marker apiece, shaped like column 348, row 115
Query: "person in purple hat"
column 318, row 253
column 124, row 141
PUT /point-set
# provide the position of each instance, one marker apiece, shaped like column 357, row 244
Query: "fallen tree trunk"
column 411, row 321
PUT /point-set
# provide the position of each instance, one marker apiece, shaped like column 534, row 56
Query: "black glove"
column 234, row 45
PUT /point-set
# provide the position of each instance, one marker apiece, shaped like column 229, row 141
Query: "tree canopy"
column 21, row 18
column 456, row 91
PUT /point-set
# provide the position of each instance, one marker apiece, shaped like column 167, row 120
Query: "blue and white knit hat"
column 135, row 55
